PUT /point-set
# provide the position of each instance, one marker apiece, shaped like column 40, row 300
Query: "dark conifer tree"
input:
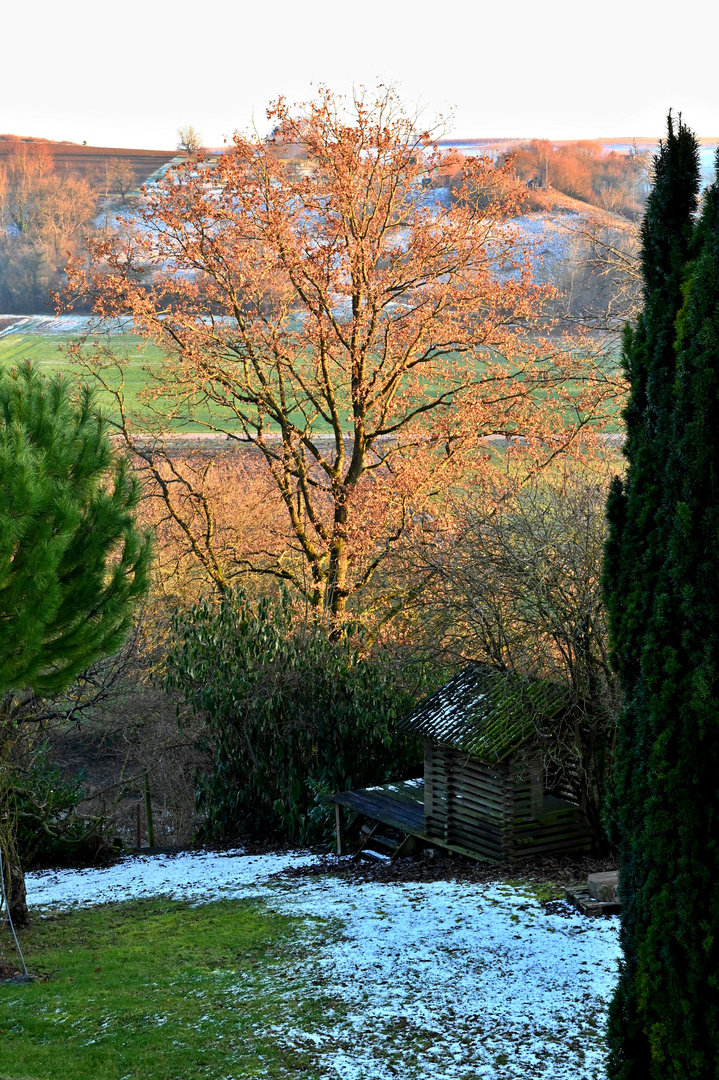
column 679, row 955
column 662, row 581
column 72, row 560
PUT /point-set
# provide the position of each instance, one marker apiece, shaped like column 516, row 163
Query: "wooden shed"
column 484, row 791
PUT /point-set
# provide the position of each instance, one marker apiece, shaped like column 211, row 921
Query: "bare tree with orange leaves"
column 363, row 335
column 44, row 213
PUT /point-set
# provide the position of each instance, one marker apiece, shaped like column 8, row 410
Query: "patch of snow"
column 429, row 981
column 551, row 239
column 451, row 980
column 194, row 876
column 380, row 856
column 61, row 325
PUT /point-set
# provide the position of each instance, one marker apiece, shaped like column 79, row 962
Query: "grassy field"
column 159, row 990
column 309, row 975
column 47, row 352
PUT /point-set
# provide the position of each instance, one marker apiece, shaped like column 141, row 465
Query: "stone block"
column 604, row 887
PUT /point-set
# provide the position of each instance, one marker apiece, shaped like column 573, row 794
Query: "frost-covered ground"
column 432, row 980
column 550, row 241
column 194, row 876
column 56, row 326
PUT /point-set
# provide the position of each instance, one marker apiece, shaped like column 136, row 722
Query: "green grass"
column 159, row 990
column 46, row 351
column 49, row 351
column 538, row 890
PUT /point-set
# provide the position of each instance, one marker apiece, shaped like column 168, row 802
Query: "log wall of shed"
column 466, row 802
column 500, row 811
column 552, row 825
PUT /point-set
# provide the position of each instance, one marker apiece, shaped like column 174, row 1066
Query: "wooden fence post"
column 340, row 823
column 148, row 813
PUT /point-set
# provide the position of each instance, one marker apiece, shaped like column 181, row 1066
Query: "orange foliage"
column 360, row 335
column 212, row 511
column 44, row 213
column 583, row 170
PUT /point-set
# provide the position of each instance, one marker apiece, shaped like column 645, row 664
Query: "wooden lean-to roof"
column 485, row 712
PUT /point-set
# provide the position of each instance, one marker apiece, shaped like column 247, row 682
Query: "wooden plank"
column 407, row 846
column 556, row 819
column 536, row 788
column 474, row 801
column 518, row 853
column 561, row 825
column 490, row 795
column 465, row 764
column 484, row 781
column 476, row 770
column 485, row 791
column 459, row 849
column 579, row 896
column 480, row 786
column 479, row 805
column 428, row 778
column 488, row 848
column 448, row 827
column 477, row 828
column 491, row 846
column 406, row 791
column 400, row 805
column 409, row 791
column 467, row 831
column 483, row 825
column 539, row 844
column 544, row 842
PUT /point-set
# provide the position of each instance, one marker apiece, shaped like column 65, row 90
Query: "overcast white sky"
column 128, row 74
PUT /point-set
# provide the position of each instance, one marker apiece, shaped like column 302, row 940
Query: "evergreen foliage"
column 662, row 581
column 72, row 562
column 292, row 713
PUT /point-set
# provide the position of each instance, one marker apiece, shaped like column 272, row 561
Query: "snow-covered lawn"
column 437, row 980
column 56, row 326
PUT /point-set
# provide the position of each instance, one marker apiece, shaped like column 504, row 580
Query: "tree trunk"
column 337, row 587
column 339, row 563
column 15, row 886
column 591, row 792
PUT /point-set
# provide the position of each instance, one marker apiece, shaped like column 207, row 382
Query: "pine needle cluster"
column 72, row 561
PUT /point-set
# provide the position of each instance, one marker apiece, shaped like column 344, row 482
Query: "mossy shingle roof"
column 485, row 712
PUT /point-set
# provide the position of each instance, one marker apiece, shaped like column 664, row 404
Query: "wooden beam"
column 340, row 825
column 405, row 848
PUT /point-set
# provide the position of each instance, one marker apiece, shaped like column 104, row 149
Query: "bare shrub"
column 515, row 580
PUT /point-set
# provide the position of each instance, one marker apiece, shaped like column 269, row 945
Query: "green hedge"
column 291, row 714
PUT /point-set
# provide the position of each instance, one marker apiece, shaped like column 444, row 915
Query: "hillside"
column 88, row 162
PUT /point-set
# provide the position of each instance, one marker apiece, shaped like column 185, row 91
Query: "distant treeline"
column 618, row 182
column 51, row 197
